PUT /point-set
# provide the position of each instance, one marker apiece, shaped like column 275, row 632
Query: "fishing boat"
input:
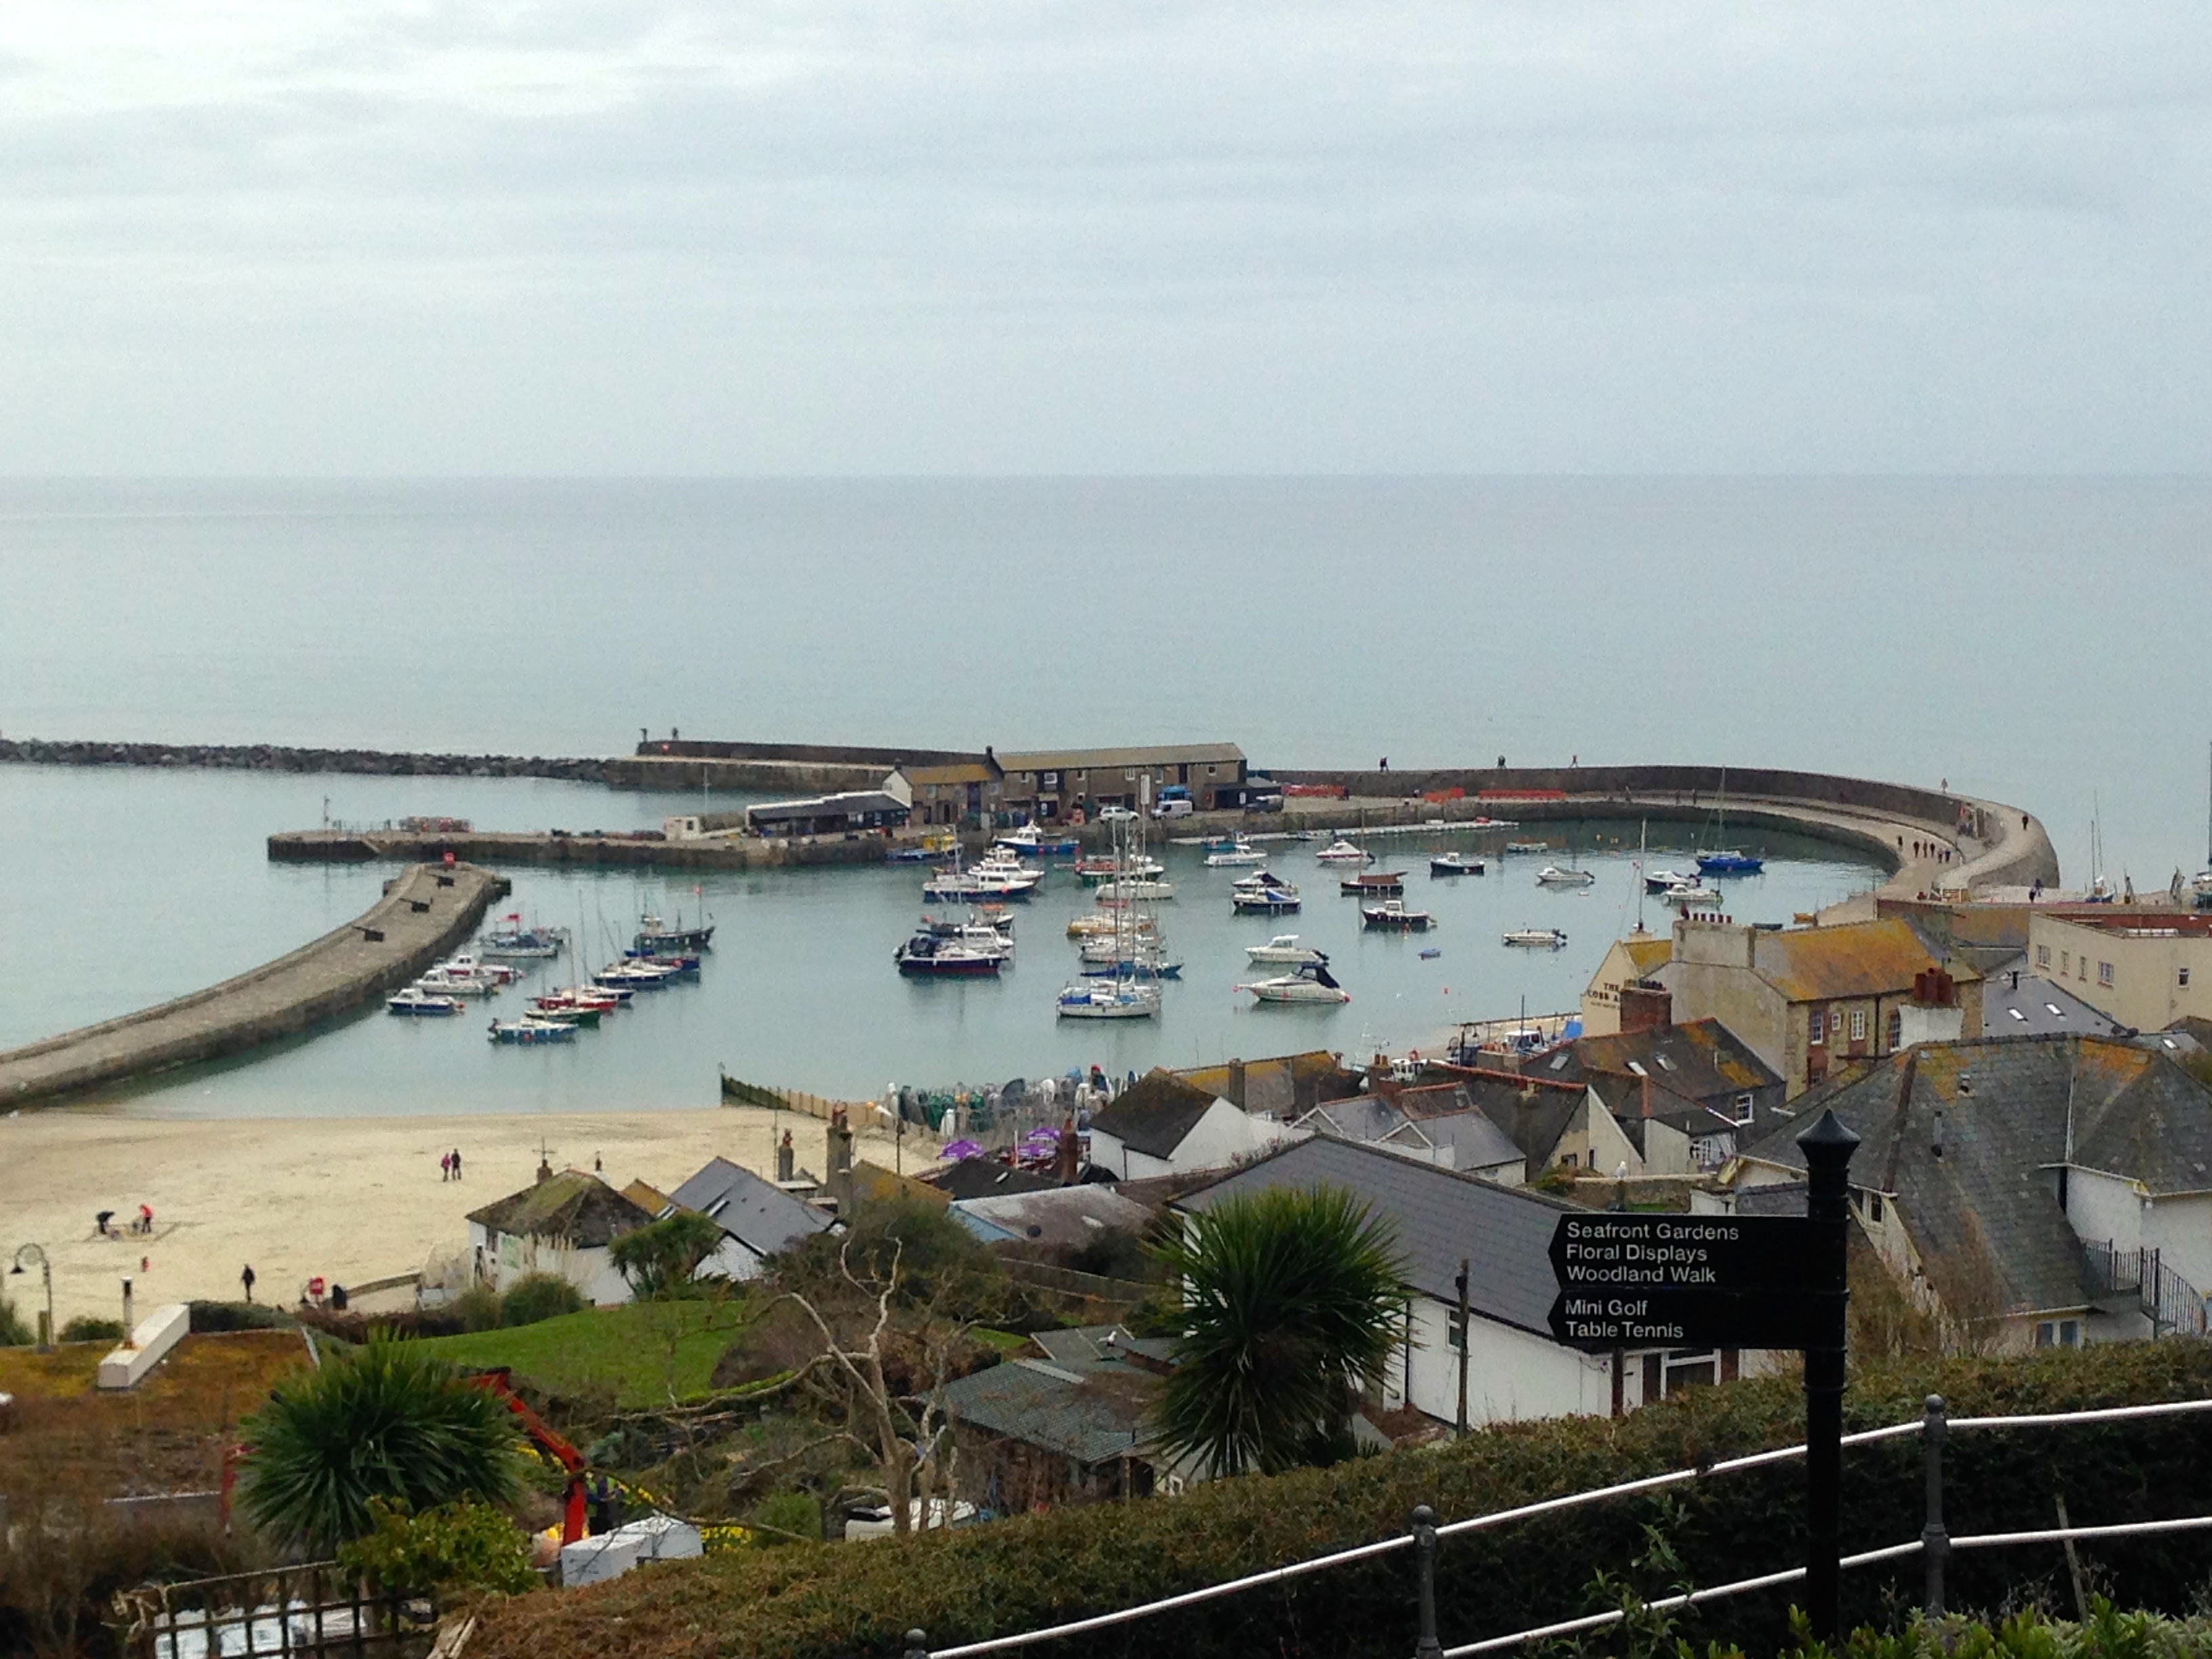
column 1729, row 863
column 1283, row 949
column 1552, row 876
column 1373, row 883
column 1457, row 864
column 1518, row 846
column 1658, row 881
column 422, row 1004
column 1341, row 851
column 653, row 934
column 1239, row 850
column 1537, row 939
column 1691, row 892
column 1310, row 981
column 1113, row 999
column 1032, row 841
column 1392, row 916
column 532, row 1030
column 926, row 955
column 1263, row 894
column 512, row 942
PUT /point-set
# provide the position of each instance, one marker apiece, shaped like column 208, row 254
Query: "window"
column 1897, row 1027
column 2043, row 956
column 2058, row 1333
column 2104, row 973
column 1569, row 1161
column 1812, row 1027
column 2057, row 1011
column 2065, row 962
column 1745, row 1110
column 2017, row 1015
column 1665, row 1064
column 1858, row 1025
column 1636, row 1066
column 1874, row 1207
column 2182, row 979
column 1048, row 780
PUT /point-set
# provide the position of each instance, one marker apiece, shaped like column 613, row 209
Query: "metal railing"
column 313, row 1609
column 1934, row 1544
column 2174, row 1305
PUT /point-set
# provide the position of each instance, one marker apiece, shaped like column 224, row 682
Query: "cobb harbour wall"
column 281, row 757
column 424, row 913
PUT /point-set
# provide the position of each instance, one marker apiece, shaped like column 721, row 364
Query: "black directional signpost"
column 1725, row 1281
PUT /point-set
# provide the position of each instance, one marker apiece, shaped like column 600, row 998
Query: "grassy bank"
column 639, row 1355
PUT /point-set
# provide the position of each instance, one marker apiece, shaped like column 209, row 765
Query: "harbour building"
column 1053, row 784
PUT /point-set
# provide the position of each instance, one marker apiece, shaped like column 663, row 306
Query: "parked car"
column 1116, row 814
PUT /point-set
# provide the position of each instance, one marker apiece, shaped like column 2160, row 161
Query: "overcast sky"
column 976, row 236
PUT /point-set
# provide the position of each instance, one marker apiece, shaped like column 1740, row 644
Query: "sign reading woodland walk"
column 1690, row 1281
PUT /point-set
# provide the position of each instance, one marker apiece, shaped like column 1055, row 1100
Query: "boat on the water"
column 531, row 1030
column 1146, row 965
column 422, row 1004
column 1730, row 862
column 1430, row 954
column 981, row 884
column 1691, row 892
column 512, row 942
column 928, row 957
column 1341, row 851
column 1285, row 949
column 627, row 975
column 1310, row 981
column 653, row 934
column 1239, row 850
column 564, row 1013
column 1658, row 881
column 1373, row 883
column 448, row 981
column 1457, row 864
column 1124, row 888
column 1263, row 893
column 1106, row 869
column 1032, row 841
column 1527, row 846
column 1392, row 916
column 1552, row 876
column 1537, row 939
column 1109, row 999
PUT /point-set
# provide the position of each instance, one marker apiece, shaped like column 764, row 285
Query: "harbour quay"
column 425, row 912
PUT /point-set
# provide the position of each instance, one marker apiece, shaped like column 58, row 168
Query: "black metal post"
column 1935, row 1541
column 1424, row 1567
column 917, row 1644
column 1827, row 1146
column 1466, row 1340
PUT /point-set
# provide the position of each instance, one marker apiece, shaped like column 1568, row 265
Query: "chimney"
column 839, row 1154
column 784, row 1157
column 1647, row 1094
column 1236, row 1084
column 1646, row 1005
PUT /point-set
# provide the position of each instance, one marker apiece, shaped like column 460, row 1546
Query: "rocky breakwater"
column 425, row 911
column 280, row 757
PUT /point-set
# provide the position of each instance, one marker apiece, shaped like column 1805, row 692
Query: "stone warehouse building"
column 1051, row 784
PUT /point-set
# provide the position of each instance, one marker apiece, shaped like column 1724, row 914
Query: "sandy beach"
column 351, row 1199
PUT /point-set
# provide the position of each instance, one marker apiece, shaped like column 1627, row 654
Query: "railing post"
column 1425, row 1577
column 1935, row 1541
column 917, row 1644
column 1827, row 1146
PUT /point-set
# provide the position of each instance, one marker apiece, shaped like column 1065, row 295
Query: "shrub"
column 477, row 1309
column 785, row 1517
column 238, row 1316
column 539, row 1296
column 390, row 1422
column 454, row 1546
column 659, row 1258
column 14, row 1333
column 974, row 1583
column 85, row 1328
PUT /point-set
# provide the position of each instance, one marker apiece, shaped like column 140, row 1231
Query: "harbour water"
column 2020, row 638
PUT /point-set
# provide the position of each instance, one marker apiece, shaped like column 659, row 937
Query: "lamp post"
column 33, row 1254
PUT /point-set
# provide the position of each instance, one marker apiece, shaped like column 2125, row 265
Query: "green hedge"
column 814, row 1601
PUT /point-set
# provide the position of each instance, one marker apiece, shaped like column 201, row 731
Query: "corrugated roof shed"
column 1440, row 1215
column 1083, row 1399
column 575, row 1207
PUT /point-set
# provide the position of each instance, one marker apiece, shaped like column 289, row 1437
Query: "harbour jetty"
column 279, row 757
column 426, row 910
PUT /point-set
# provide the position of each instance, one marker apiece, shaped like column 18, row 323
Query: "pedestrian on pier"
column 245, row 1277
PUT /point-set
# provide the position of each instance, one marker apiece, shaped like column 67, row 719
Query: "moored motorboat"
column 1283, row 949
column 1263, row 893
column 531, row 1030
column 1658, row 881
column 511, row 941
column 1552, row 876
column 1537, row 939
column 1374, row 883
column 1310, row 982
column 1527, row 846
column 926, row 955
column 1392, row 916
column 1341, row 851
column 1690, row 892
column 1144, row 966
column 1032, row 841
column 653, row 934
column 1457, row 864
column 448, row 981
column 1240, row 850
column 1134, row 887
column 417, row 1001
column 1106, row 868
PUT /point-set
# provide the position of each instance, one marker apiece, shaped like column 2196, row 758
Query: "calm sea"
column 2034, row 640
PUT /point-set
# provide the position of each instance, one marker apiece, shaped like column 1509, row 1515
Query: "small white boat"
column 1527, row 846
column 1240, row 850
column 501, row 973
column 1552, row 876
column 1109, row 999
column 446, row 980
column 529, row 1031
column 1134, row 887
column 979, row 884
column 1341, row 851
column 1690, row 892
column 1310, row 982
column 1457, row 864
column 1658, row 881
column 1103, row 924
column 1284, row 950
column 1537, row 939
column 1263, row 894
column 1392, row 916
column 1106, row 869
column 421, row 1003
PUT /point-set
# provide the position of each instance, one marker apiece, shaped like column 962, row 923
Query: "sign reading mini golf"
column 1725, row 1281
column 1682, row 1281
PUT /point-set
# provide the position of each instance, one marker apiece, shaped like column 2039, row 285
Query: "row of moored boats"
column 659, row 955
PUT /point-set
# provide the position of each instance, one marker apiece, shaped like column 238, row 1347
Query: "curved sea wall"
column 424, row 912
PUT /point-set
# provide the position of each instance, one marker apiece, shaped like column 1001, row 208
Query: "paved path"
column 425, row 913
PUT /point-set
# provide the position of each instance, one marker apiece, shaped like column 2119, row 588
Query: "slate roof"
column 2035, row 1007
column 577, row 1209
column 1858, row 959
column 1061, row 1215
column 1441, row 1216
column 2006, row 1105
column 1364, row 1117
column 1533, row 1118
column 1080, row 1399
column 1696, row 1063
column 985, row 1177
column 1476, row 1142
column 758, row 1213
column 1154, row 1114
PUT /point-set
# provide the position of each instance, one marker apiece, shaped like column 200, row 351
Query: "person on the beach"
column 102, row 1220
column 445, row 1166
column 145, row 1218
column 457, row 1163
column 245, row 1277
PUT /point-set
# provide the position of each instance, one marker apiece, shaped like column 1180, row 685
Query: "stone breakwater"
column 424, row 912
column 280, row 757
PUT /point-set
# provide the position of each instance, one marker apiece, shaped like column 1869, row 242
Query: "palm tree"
column 1293, row 1301
column 393, row 1422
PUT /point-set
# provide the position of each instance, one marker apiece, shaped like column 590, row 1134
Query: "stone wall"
column 279, row 757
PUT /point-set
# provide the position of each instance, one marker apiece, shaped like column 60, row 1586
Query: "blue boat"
column 1131, row 969
column 1729, row 863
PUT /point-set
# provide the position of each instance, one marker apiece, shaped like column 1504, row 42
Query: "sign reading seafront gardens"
column 1683, row 1281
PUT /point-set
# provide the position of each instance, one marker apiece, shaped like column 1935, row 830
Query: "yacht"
column 1283, row 950
column 1113, row 999
column 1729, row 863
column 420, row 1003
column 1310, row 982
column 1263, row 894
column 1341, row 851
column 1552, row 876
column 1537, row 939
column 928, row 956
